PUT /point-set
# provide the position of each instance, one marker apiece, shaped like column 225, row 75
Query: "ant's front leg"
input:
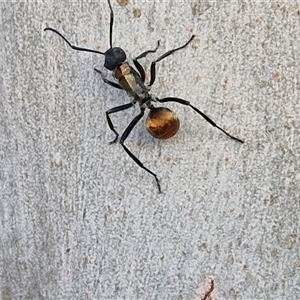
column 111, row 83
column 138, row 65
column 153, row 64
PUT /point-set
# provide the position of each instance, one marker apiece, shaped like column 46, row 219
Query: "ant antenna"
column 111, row 24
column 72, row 46
column 86, row 49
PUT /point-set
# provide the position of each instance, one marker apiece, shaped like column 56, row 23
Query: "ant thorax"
column 131, row 82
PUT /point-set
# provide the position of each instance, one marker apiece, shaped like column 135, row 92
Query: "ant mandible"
column 161, row 123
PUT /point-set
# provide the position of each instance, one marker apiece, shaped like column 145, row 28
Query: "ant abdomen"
column 162, row 123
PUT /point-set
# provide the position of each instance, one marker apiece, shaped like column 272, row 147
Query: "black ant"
column 161, row 123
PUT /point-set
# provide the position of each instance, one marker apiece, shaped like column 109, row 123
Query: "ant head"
column 162, row 123
column 114, row 57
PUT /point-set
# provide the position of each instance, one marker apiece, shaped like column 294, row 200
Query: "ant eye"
column 120, row 54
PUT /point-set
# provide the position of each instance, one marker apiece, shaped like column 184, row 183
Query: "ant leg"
column 152, row 70
column 184, row 102
column 138, row 65
column 111, row 83
column 124, row 137
column 72, row 46
column 112, row 111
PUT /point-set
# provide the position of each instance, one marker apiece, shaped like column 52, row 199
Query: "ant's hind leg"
column 184, row 102
column 136, row 160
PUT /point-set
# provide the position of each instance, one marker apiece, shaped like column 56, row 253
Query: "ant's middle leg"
column 138, row 65
column 114, row 110
column 152, row 70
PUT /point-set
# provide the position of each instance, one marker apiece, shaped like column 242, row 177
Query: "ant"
column 161, row 123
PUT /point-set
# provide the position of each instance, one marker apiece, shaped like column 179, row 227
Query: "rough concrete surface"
column 80, row 220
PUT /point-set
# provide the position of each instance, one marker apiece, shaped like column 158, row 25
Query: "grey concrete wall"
column 80, row 220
